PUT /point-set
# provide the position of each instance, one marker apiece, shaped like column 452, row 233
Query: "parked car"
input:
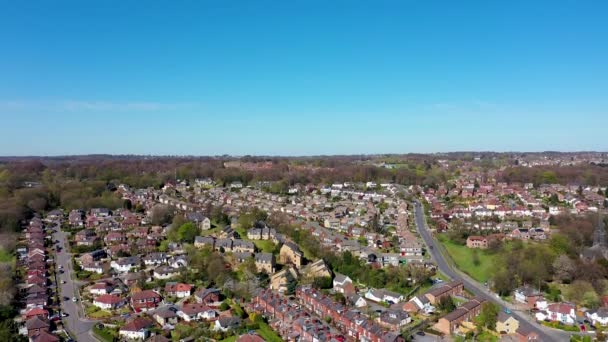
column 63, row 314
column 74, row 299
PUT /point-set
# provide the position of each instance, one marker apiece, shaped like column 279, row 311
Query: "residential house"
column 282, row 280
column 449, row 323
column 419, row 303
column 520, row 233
column 166, row 315
column 199, row 219
column 343, row 284
column 36, row 325
column 102, row 287
column 250, row 337
column 317, row 269
column 383, row 296
column 558, row 312
column 178, row 290
column 145, row 300
column 108, row 302
column 137, row 329
column 204, row 241
column 227, row 323
column 89, row 258
column 290, row 254
column 506, row 324
column 44, row 336
column 532, row 297
column 207, row 296
column 126, row 264
column 264, row 262
column 243, row 246
column 394, row 319
column 455, row 288
column 599, row 316
column 196, row 311
column 165, row 272
column 155, row 259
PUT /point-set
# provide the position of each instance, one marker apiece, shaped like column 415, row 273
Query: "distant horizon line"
column 294, row 156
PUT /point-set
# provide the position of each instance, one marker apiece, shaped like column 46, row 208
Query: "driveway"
column 78, row 327
column 544, row 333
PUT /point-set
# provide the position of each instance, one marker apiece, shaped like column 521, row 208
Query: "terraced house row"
column 354, row 325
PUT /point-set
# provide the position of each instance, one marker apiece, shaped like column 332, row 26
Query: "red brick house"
column 145, row 300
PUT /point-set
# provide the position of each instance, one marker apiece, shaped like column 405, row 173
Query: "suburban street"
column 544, row 333
column 78, row 327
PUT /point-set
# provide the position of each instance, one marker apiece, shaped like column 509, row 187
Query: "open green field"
column 463, row 258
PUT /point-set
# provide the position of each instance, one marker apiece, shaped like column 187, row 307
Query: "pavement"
column 545, row 334
column 75, row 323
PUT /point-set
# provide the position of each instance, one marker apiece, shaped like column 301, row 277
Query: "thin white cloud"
column 91, row 106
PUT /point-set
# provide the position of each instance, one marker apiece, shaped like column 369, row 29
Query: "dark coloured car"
column 420, row 333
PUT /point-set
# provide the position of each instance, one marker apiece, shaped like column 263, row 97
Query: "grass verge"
column 465, row 260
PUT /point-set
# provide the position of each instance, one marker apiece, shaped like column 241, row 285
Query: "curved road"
column 545, row 334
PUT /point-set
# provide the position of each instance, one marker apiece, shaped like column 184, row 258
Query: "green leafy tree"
column 127, row 204
column 489, row 315
column 446, row 304
column 322, row 283
column 187, row 232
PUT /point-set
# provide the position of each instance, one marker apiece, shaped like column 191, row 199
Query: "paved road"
column 545, row 334
column 79, row 328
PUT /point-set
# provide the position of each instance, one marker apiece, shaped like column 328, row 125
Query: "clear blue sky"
column 302, row 77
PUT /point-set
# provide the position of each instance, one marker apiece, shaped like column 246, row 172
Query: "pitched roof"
column 251, row 337
column 144, row 295
column 194, row 308
column 36, row 323
column 44, row 336
column 108, row 299
column 137, row 324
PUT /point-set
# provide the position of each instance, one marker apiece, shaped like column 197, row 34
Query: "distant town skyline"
column 302, row 78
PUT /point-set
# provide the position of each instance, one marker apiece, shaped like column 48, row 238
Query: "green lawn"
column 266, row 332
column 103, row 334
column 101, row 314
column 229, row 339
column 463, row 258
column 5, row 256
column 266, row 246
column 209, row 231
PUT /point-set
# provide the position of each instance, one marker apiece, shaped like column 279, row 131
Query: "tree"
column 322, row 283
column 564, row 268
column 489, row 315
column 591, row 300
column 161, row 214
column 187, row 232
column 577, row 290
column 476, row 260
column 504, row 282
column 446, row 304
column 127, row 204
